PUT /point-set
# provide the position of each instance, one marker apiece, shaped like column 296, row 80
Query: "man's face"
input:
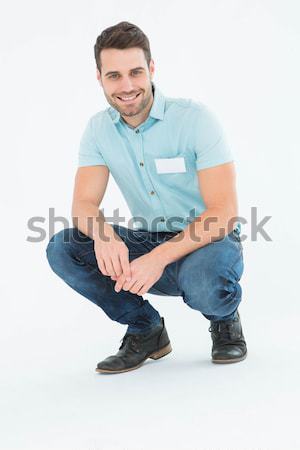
column 126, row 80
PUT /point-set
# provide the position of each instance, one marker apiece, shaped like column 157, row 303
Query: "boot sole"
column 229, row 361
column 155, row 355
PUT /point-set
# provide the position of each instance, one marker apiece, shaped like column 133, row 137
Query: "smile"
column 129, row 99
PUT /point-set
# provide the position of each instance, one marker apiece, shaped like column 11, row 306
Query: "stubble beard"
column 127, row 112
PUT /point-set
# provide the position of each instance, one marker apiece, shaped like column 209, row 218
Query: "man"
column 173, row 165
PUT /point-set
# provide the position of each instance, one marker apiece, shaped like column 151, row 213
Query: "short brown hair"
column 122, row 35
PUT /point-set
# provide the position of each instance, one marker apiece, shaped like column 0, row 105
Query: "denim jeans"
column 207, row 279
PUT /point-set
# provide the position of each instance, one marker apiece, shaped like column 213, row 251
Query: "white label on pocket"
column 170, row 165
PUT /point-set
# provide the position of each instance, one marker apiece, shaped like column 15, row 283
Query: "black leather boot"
column 136, row 348
column 229, row 344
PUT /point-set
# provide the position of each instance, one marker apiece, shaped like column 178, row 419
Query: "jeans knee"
column 199, row 302
column 213, row 289
column 217, row 301
column 56, row 248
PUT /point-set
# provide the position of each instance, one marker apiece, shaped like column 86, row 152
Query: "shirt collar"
column 157, row 110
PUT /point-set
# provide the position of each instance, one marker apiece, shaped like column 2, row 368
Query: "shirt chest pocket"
column 180, row 167
column 170, row 165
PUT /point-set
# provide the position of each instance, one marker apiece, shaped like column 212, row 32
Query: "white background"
column 239, row 57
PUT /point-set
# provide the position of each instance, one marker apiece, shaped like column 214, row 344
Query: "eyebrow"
column 115, row 71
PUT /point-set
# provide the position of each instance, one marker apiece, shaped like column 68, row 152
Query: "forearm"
column 89, row 219
column 211, row 225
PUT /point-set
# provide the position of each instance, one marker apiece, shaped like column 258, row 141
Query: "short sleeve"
column 209, row 140
column 89, row 150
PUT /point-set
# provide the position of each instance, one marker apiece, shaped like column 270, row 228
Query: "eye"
column 113, row 75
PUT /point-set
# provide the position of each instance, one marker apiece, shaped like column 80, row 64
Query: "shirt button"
column 162, row 219
column 152, row 192
column 137, row 131
column 141, row 164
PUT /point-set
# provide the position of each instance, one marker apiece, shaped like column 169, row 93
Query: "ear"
column 151, row 68
column 98, row 75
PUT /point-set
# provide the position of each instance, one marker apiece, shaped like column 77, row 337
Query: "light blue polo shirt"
column 155, row 164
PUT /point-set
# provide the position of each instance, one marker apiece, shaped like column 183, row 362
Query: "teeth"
column 128, row 98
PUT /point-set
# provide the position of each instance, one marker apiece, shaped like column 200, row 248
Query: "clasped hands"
column 145, row 270
column 136, row 276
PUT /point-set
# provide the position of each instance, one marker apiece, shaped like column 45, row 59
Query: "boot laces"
column 131, row 340
column 224, row 332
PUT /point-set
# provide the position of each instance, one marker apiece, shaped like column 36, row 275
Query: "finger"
column 116, row 265
column 144, row 290
column 136, row 287
column 120, row 282
column 128, row 284
column 101, row 265
column 109, row 267
column 124, row 260
column 147, row 284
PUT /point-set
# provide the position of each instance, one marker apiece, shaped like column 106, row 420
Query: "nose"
column 126, row 86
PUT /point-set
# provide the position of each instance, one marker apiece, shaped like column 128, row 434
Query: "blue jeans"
column 207, row 279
